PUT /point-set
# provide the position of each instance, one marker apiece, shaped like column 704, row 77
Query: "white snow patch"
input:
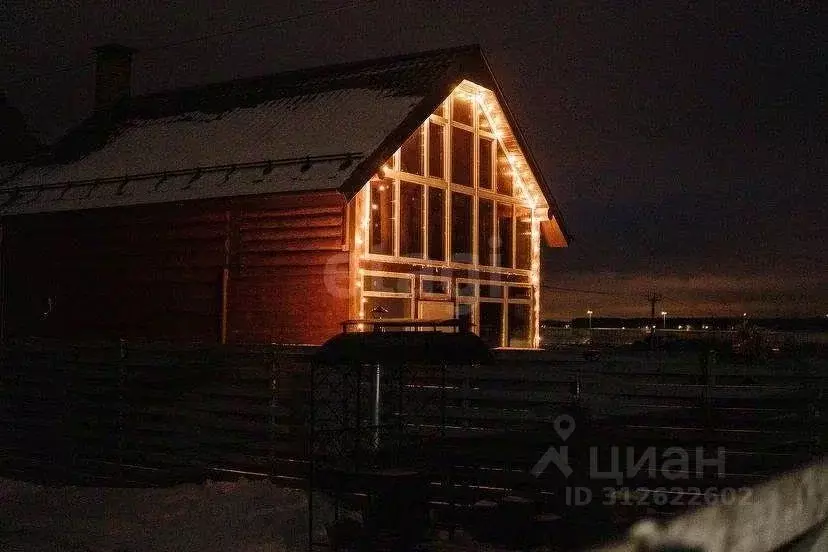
column 330, row 123
column 242, row 516
column 323, row 175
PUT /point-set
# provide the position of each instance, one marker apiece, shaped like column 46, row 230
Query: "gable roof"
column 328, row 127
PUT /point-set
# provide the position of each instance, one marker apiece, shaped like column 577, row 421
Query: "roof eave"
column 556, row 222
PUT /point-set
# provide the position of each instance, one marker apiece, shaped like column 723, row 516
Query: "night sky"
column 685, row 143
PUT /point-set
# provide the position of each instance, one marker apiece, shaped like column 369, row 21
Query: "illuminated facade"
column 272, row 209
column 450, row 226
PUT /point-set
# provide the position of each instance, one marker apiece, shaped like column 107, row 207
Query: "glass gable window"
column 523, row 238
column 411, row 153
column 504, row 173
column 485, row 231
column 498, row 233
column 504, row 235
column 483, row 121
column 450, row 215
column 435, row 150
column 485, row 169
column 462, row 152
column 382, row 217
column 436, row 224
column 463, row 109
column 461, row 227
column 411, row 219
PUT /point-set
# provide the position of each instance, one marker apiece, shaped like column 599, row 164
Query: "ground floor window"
column 387, row 295
column 379, row 308
column 491, row 323
column 500, row 314
column 518, row 325
column 465, row 314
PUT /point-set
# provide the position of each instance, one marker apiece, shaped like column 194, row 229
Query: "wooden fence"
column 138, row 414
column 500, row 420
column 108, row 412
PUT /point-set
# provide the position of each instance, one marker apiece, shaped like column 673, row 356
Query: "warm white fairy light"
column 361, row 237
column 496, row 125
column 532, row 199
column 499, row 129
column 535, row 268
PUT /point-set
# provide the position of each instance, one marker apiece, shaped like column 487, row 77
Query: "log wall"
column 241, row 270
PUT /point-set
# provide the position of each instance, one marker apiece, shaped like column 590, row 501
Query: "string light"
column 363, row 200
column 534, row 203
column 499, row 128
column 535, row 279
column 495, row 124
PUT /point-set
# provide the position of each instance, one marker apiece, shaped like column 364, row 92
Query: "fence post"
column 816, row 420
column 271, row 430
column 443, row 406
column 310, row 441
column 708, row 361
column 122, row 383
column 68, row 394
column 578, row 386
column 465, row 401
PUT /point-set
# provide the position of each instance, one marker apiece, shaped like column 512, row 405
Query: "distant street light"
column 589, row 313
column 664, row 318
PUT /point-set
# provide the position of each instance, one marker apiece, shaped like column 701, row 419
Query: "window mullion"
column 514, row 237
column 447, row 130
column 396, row 215
column 475, row 177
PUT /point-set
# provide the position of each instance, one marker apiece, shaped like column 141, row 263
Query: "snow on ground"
column 241, row 516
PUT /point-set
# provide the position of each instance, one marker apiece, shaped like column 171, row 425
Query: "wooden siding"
column 291, row 282
column 159, row 272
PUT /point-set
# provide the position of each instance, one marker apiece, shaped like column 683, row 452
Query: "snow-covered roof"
column 322, row 115
column 225, row 181
column 326, row 124
column 315, row 129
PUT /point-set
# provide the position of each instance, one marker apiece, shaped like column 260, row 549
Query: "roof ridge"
column 301, row 73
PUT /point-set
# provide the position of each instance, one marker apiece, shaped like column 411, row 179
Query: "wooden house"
column 271, row 209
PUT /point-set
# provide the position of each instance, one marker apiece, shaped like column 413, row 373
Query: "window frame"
column 470, row 271
column 398, row 219
column 431, row 295
column 387, row 294
column 391, row 171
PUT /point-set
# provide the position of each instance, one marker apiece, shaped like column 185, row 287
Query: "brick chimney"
column 113, row 72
